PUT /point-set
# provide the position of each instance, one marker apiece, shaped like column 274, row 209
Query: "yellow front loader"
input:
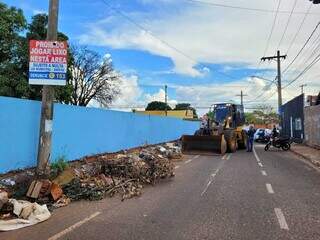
column 219, row 133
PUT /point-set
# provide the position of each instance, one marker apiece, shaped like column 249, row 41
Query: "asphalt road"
column 268, row 195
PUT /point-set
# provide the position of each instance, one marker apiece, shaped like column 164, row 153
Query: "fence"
column 312, row 125
column 78, row 131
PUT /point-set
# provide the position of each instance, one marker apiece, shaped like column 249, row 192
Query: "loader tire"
column 242, row 143
column 231, row 139
column 232, row 145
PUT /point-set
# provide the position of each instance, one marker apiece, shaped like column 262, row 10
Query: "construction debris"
column 62, row 201
column 124, row 173
column 65, row 177
column 28, row 214
column 3, row 198
column 8, row 182
column 34, row 189
column 56, row 191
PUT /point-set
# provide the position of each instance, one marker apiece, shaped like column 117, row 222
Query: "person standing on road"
column 250, row 136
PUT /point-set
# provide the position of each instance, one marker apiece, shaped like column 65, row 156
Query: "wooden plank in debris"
column 34, row 189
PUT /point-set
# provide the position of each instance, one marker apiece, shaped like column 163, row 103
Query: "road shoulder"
column 307, row 154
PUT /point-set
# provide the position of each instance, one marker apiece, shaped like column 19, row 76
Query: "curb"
column 300, row 155
column 309, row 160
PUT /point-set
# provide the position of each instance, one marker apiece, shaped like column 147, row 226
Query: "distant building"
column 183, row 114
column 292, row 118
column 313, row 100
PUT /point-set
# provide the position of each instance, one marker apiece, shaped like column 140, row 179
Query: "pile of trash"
column 124, row 173
column 26, row 213
column 94, row 178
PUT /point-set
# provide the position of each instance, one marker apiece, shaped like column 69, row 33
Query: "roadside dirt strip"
column 279, row 214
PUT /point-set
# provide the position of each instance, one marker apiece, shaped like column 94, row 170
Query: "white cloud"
column 213, row 35
column 160, row 96
column 205, row 33
column 130, row 93
column 38, row 11
column 203, row 96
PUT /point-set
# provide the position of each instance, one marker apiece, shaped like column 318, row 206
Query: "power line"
column 314, row 49
column 299, row 29
column 245, row 8
column 263, row 92
column 304, row 45
column 138, row 25
column 286, row 27
column 315, row 60
column 268, row 98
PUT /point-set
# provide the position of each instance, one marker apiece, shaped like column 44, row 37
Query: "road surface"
column 263, row 195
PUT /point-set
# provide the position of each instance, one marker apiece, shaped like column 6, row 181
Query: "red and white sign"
column 48, row 62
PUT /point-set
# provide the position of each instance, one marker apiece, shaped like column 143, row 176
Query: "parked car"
column 262, row 135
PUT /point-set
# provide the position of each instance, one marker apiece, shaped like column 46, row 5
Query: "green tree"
column 186, row 106
column 157, row 105
column 12, row 23
column 261, row 117
column 210, row 114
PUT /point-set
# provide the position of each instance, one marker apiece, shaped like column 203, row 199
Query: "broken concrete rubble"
column 56, row 191
column 62, row 201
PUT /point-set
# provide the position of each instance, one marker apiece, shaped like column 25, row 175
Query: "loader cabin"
column 227, row 111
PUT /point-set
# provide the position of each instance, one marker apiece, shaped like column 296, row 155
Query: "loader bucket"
column 204, row 144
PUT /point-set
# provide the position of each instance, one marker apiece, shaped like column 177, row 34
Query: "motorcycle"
column 284, row 143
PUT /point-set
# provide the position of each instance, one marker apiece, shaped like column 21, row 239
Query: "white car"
column 258, row 133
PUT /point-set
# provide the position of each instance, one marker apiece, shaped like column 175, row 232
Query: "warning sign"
column 48, row 62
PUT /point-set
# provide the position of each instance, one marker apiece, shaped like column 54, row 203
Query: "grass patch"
column 58, row 166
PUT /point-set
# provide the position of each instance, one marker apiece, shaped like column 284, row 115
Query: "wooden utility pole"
column 278, row 58
column 302, row 85
column 166, row 99
column 241, row 95
column 44, row 147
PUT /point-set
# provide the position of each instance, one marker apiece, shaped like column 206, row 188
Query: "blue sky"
column 203, row 53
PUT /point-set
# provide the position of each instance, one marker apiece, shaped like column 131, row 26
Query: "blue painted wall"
column 78, row 131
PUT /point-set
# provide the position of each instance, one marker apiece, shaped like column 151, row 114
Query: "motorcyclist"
column 274, row 133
